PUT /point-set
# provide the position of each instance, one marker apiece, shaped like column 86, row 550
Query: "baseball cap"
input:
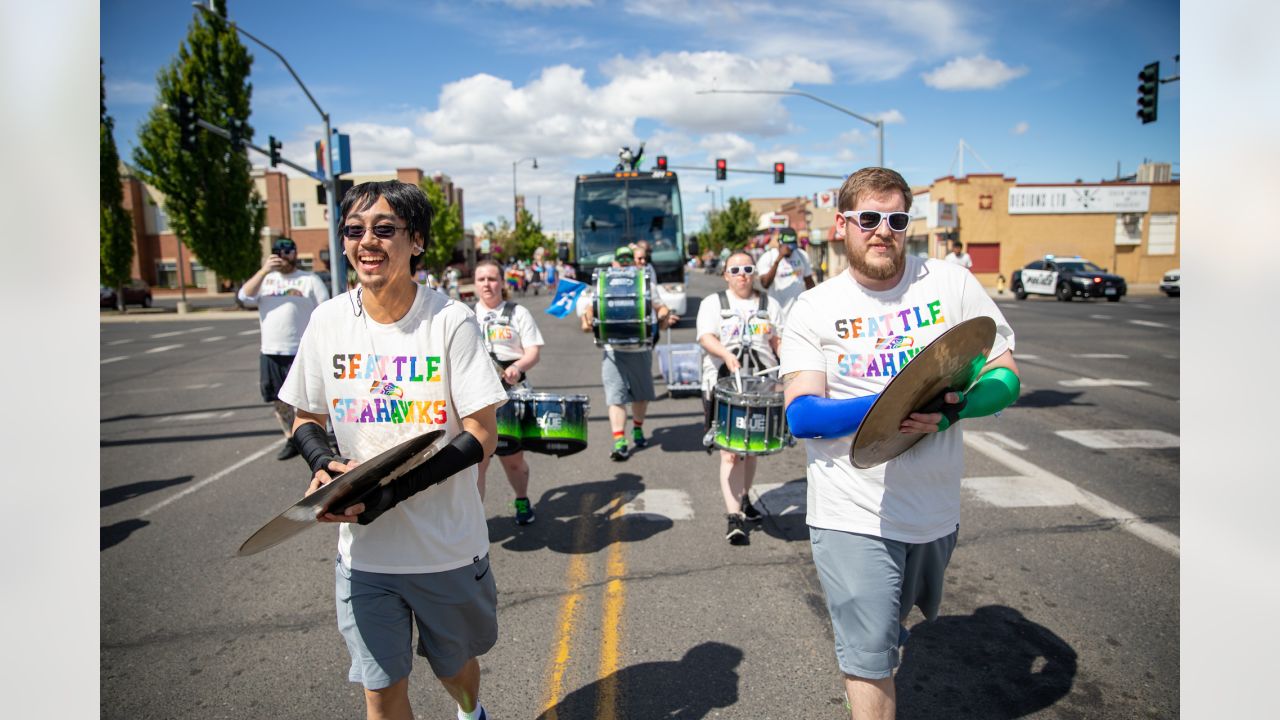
column 787, row 235
column 282, row 244
column 624, row 251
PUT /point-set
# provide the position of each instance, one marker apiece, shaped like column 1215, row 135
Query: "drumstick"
column 765, row 371
column 737, row 378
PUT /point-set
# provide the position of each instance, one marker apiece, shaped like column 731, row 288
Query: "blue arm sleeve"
column 810, row 416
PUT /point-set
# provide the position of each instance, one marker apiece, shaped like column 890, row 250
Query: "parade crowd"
column 784, row 358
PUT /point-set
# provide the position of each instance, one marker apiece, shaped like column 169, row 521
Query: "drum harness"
column 745, row 353
column 504, row 318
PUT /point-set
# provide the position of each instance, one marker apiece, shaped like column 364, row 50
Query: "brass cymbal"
column 951, row 362
column 381, row 469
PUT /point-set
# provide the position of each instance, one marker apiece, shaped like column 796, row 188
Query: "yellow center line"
column 607, row 699
column 577, row 576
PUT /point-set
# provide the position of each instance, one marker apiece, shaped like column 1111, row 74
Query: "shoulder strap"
column 724, row 299
column 764, row 301
column 508, row 309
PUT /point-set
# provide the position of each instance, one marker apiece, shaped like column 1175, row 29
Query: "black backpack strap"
column 508, row 310
column 764, row 302
column 724, row 299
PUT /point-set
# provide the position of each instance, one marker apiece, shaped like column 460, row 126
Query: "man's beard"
column 881, row 270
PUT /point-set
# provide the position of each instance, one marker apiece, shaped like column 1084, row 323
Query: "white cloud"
column 890, row 117
column 130, row 92
column 526, row 4
column 972, row 73
column 1021, row 128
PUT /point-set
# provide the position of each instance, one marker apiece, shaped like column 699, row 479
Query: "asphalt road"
column 623, row 600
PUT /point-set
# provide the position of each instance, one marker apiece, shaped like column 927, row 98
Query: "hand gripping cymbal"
column 379, row 470
column 951, row 362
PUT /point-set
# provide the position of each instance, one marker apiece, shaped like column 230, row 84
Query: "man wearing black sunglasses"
column 882, row 537
column 285, row 296
column 385, row 363
column 785, row 271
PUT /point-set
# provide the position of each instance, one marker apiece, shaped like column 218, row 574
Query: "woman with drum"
column 514, row 341
column 738, row 329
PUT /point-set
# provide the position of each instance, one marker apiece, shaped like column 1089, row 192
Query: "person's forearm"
column 526, row 361
column 711, row 343
column 253, row 284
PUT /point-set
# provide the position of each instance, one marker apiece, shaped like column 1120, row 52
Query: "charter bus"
column 617, row 208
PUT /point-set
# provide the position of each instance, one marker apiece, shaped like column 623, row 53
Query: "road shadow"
column 679, row 438
column 574, row 519
column 992, row 665
column 1050, row 399
column 784, row 510
column 702, row 681
column 114, row 495
column 112, row 535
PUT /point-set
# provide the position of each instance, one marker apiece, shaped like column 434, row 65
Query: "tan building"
column 294, row 210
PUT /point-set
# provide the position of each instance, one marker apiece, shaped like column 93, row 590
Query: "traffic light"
column 186, row 122
column 235, row 127
column 662, row 163
column 779, row 173
column 274, row 146
column 1148, row 92
column 722, row 168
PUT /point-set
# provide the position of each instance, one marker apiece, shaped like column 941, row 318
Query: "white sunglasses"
column 871, row 219
column 742, row 269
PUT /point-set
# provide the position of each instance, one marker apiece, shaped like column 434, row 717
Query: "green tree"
column 733, row 226
column 500, row 237
column 446, row 228
column 528, row 237
column 115, row 239
column 210, row 198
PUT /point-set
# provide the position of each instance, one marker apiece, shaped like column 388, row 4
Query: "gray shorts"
column 871, row 585
column 628, row 376
column 455, row 610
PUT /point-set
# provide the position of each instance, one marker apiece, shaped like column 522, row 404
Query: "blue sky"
column 1041, row 90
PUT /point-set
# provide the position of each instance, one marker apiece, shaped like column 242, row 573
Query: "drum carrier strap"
column 744, row 349
column 508, row 311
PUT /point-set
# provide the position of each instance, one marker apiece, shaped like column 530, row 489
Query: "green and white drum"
column 624, row 313
column 511, row 419
column 555, row 424
column 750, row 422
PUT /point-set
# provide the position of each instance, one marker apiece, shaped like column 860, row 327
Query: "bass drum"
column 750, row 421
column 624, row 313
column 555, row 424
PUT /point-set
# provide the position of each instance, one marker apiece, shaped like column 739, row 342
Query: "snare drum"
column 511, row 418
column 555, row 424
column 750, row 422
column 624, row 313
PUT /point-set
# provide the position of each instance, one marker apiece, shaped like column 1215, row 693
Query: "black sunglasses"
column 383, row 232
column 871, row 219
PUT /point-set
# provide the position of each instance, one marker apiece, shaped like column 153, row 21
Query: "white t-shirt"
column 788, row 282
column 508, row 340
column 861, row 339
column 587, row 299
column 285, row 303
column 961, row 259
column 383, row 384
column 741, row 320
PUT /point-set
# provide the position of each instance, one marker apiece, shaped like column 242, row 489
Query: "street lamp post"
column 338, row 261
column 879, row 124
column 515, row 210
column 712, row 193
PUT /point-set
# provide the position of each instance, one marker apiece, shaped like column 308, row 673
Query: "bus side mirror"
column 693, row 248
column 562, row 253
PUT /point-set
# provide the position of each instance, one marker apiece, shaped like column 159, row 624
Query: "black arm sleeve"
column 313, row 444
column 461, row 453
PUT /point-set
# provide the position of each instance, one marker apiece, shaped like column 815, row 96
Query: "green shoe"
column 637, row 437
column 620, row 451
column 524, row 511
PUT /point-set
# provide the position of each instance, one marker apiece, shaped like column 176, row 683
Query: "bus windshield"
column 611, row 212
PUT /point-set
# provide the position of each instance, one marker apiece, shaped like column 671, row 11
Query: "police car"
column 1066, row 278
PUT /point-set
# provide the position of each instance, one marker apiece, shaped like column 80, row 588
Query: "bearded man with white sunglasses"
column 882, row 537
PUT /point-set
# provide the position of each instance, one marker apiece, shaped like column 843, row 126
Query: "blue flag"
column 567, row 292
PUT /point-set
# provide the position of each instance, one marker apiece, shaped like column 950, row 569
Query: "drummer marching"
column 739, row 329
column 514, row 341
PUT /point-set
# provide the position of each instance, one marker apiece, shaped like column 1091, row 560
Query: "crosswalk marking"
column 120, row 342
column 113, row 359
column 1100, row 317
column 1119, row 439
column 656, row 504
column 1148, row 323
column 782, row 498
column 1035, row 486
column 249, row 332
column 214, row 338
column 1102, row 382
column 196, row 416
column 1101, row 356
